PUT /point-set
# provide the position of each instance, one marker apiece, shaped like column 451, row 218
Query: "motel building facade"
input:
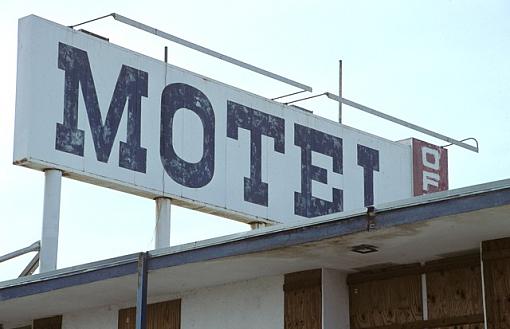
column 350, row 230
column 440, row 261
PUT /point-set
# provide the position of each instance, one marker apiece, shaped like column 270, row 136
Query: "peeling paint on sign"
column 430, row 168
column 109, row 116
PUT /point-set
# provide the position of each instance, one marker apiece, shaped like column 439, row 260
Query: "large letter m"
column 131, row 86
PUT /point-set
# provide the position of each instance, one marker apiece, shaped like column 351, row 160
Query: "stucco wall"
column 252, row 304
column 102, row 318
column 335, row 299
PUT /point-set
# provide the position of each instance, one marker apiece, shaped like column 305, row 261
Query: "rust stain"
column 20, row 162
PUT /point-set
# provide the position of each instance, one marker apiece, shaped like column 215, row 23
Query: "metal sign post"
column 340, row 90
column 163, row 222
column 51, row 217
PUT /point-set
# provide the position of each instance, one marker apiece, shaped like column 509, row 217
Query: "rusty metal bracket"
column 371, row 224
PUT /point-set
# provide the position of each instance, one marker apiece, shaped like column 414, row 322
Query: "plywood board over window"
column 391, row 298
column 454, row 292
column 303, row 300
column 54, row 322
column 496, row 271
column 385, row 301
column 164, row 315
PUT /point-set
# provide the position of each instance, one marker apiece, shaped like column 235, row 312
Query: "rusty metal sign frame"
column 303, row 87
column 393, row 119
column 401, row 122
column 204, row 50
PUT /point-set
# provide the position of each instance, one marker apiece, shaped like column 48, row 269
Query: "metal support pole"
column 208, row 51
column 141, row 291
column 340, row 90
column 36, row 246
column 31, row 267
column 163, row 222
column 51, row 216
column 393, row 119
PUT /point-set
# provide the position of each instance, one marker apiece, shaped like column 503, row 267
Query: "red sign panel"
column 430, row 168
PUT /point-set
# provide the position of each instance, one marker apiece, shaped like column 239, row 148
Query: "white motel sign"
column 116, row 118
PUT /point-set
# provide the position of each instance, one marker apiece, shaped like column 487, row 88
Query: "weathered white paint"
column 16, row 324
column 40, row 103
column 335, row 299
column 98, row 318
column 51, row 217
column 252, row 304
column 257, row 225
column 163, row 222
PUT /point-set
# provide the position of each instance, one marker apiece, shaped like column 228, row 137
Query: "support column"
column 51, row 217
column 163, row 220
column 141, row 291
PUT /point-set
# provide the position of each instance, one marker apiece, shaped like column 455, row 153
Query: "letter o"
column 177, row 96
column 425, row 151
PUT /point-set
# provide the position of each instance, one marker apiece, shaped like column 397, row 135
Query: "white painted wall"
column 18, row 324
column 252, row 304
column 99, row 318
column 335, row 300
column 96, row 318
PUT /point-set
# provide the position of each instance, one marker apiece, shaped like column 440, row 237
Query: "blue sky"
column 440, row 64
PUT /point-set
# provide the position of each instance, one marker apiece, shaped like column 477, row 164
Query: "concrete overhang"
column 414, row 230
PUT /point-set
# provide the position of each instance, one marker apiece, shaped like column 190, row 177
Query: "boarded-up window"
column 54, row 322
column 454, row 292
column 496, row 271
column 303, row 300
column 165, row 315
column 384, row 301
column 392, row 297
